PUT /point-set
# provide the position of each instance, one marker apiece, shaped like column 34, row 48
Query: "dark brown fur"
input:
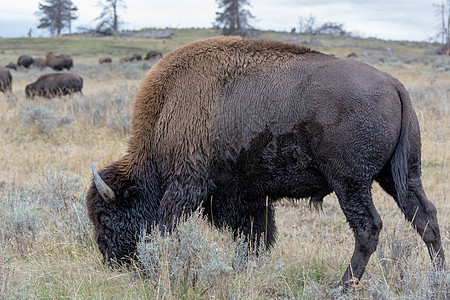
column 52, row 85
column 240, row 120
column 5, row 80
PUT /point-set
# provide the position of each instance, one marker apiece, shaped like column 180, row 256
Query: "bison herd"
column 56, row 84
column 150, row 55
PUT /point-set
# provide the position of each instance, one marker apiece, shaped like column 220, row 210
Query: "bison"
column 25, row 61
column 104, row 60
column 11, row 66
column 56, row 84
column 38, row 63
column 58, row 62
column 5, row 80
column 136, row 56
column 223, row 123
column 153, row 55
column 124, row 59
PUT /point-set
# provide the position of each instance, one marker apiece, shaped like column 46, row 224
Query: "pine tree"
column 234, row 19
column 56, row 15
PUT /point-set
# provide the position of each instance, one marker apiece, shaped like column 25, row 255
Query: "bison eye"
column 104, row 220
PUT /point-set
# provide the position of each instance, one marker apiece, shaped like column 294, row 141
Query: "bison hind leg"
column 355, row 199
column 420, row 211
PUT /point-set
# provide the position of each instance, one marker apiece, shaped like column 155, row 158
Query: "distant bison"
column 25, row 61
column 105, row 60
column 59, row 62
column 11, row 66
column 125, row 59
column 38, row 63
column 231, row 125
column 136, row 56
column 5, row 80
column 153, row 55
column 56, row 84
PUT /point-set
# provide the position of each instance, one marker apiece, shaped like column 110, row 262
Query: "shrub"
column 20, row 217
column 45, row 119
column 188, row 257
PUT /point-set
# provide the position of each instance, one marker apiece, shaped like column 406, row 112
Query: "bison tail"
column 399, row 161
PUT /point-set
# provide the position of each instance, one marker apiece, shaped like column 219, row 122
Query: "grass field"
column 47, row 147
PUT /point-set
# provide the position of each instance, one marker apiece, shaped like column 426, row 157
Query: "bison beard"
column 240, row 120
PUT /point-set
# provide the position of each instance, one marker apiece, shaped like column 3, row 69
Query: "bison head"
column 119, row 212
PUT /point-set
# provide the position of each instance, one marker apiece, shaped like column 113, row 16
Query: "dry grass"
column 47, row 247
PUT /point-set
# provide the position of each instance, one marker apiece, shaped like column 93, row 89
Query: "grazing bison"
column 153, row 55
column 104, row 60
column 136, row 56
column 59, row 62
column 38, row 63
column 226, row 122
column 56, row 84
column 125, row 59
column 11, row 66
column 25, row 61
column 5, row 80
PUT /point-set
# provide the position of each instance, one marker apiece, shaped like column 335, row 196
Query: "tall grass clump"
column 197, row 260
column 20, row 217
column 187, row 261
column 402, row 277
column 66, row 205
column 45, row 119
column 107, row 109
column 431, row 101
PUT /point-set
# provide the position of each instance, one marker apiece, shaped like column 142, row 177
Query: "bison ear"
column 103, row 189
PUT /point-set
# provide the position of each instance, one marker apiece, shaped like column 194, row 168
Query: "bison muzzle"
column 240, row 120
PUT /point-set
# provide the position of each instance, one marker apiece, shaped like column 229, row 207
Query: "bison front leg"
column 255, row 219
column 363, row 218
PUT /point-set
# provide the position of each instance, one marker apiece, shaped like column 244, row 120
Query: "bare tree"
column 309, row 26
column 109, row 19
column 56, row 14
column 442, row 12
column 234, row 19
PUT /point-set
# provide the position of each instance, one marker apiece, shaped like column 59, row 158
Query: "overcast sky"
column 386, row 19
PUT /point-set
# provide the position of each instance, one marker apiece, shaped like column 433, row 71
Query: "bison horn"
column 104, row 190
